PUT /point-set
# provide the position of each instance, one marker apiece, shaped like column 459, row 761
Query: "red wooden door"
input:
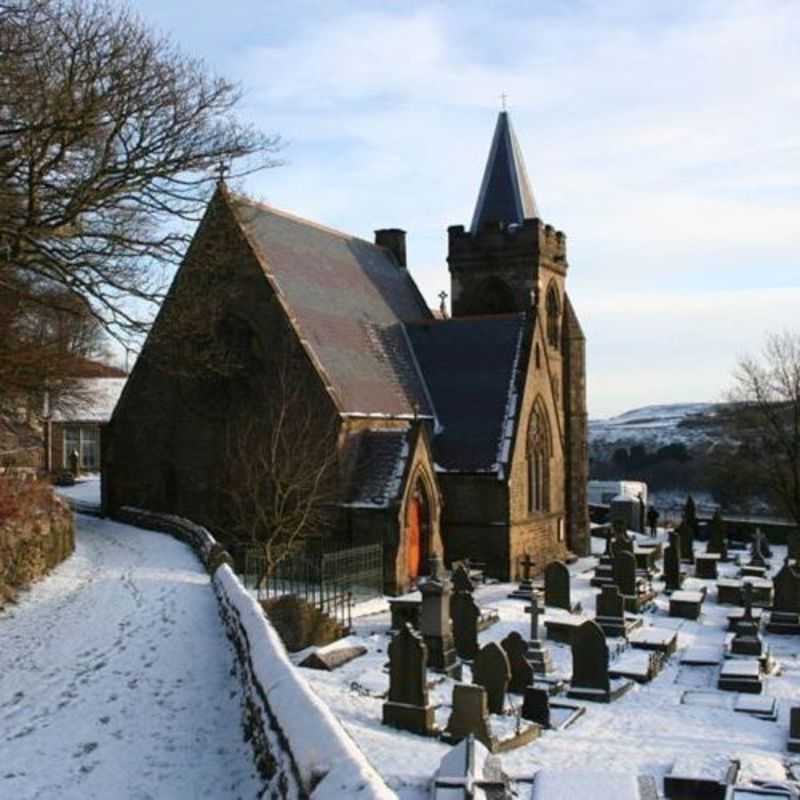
column 414, row 536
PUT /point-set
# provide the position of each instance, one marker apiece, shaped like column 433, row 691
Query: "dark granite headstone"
column 590, row 659
column 787, row 590
column 465, row 614
column 625, row 572
column 536, row 706
column 407, row 706
column 516, row 649
column 492, row 671
column 686, row 535
column 672, row 563
column 610, row 603
column 556, row 586
column 794, row 730
column 622, row 541
column 717, row 540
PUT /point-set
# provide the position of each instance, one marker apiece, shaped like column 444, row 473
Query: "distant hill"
column 694, row 425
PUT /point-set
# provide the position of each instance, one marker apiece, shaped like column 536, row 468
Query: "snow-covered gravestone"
column 469, row 771
column 557, row 586
column 516, row 649
column 537, row 654
column 492, row 671
column 408, row 707
column 625, row 572
column 465, row 614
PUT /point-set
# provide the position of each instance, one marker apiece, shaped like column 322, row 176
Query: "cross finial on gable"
column 442, row 305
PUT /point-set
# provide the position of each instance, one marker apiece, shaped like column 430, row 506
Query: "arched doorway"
column 418, row 531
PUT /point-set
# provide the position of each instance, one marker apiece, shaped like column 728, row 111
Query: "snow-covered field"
column 117, row 680
column 645, row 732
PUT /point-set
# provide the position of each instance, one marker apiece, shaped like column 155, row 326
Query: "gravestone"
column 557, row 586
column 590, row 679
column 672, row 564
column 747, row 639
column 610, row 612
column 758, row 550
column 461, row 579
column 538, row 707
column 492, row 671
column 621, row 539
column 468, row 771
column 785, row 615
column 625, row 573
column 408, row 707
column 435, row 624
column 793, row 745
column 470, row 716
column 686, row 536
column 717, row 541
column 465, row 614
column 537, row 654
column 525, row 589
column 516, row 649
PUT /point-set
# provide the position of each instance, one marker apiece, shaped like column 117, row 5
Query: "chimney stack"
column 394, row 240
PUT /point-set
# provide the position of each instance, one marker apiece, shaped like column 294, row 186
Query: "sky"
column 663, row 138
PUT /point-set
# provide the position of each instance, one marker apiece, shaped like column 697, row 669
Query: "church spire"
column 505, row 194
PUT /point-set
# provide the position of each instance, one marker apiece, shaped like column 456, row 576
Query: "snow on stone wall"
column 299, row 744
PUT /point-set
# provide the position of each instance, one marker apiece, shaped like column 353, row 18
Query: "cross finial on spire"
column 503, row 98
column 221, row 170
column 442, row 305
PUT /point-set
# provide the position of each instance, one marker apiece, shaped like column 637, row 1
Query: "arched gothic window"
column 553, row 317
column 538, row 453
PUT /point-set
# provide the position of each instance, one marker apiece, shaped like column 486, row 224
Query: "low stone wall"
column 32, row 544
column 300, row 748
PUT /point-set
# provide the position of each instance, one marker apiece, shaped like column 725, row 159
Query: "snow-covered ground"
column 117, row 679
column 85, row 490
column 645, row 732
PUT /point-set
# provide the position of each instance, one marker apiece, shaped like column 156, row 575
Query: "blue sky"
column 662, row 137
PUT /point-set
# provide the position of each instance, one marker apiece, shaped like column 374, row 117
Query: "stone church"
column 464, row 436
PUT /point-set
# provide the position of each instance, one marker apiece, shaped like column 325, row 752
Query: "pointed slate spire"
column 505, row 194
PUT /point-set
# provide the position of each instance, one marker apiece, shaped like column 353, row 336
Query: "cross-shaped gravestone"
column 527, row 564
column 492, row 671
column 533, row 610
column 521, row 671
column 465, row 614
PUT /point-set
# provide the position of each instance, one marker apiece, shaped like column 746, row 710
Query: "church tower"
column 508, row 257
column 509, row 261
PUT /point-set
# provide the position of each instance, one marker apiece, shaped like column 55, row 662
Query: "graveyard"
column 659, row 690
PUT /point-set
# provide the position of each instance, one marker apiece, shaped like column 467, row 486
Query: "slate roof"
column 472, row 368
column 505, row 194
column 381, row 463
column 348, row 298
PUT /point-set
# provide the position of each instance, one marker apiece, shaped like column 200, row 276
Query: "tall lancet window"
column 553, row 317
column 538, row 447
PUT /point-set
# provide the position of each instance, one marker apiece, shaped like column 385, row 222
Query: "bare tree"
column 765, row 419
column 109, row 138
column 281, row 460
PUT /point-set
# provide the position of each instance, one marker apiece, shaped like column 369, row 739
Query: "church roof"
column 472, row 368
column 348, row 300
column 381, row 462
column 505, row 194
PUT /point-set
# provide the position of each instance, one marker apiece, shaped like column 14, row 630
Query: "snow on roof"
column 98, row 398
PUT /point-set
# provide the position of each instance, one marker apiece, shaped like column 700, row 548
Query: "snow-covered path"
column 117, row 680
